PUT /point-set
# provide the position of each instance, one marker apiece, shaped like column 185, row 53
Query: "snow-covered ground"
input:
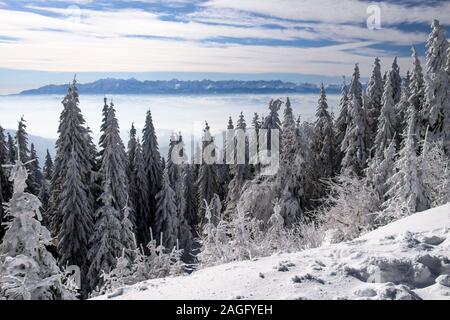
column 407, row 259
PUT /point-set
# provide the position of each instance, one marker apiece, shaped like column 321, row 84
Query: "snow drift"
column 406, row 260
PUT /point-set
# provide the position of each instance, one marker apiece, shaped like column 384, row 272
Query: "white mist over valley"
column 171, row 113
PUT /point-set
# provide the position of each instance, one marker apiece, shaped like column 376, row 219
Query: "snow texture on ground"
column 405, row 260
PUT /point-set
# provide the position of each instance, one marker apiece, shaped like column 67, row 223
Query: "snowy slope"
column 407, row 259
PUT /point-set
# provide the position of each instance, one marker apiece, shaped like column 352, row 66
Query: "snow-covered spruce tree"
column 272, row 121
column 103, row 126
column 257, row 196
column 416, row 100
column 436, row 173
column 447, row 106
column 241, row 124
column 152, row 165
column 76, row 220
column 208, row 182
column 131, row 153
column 35, row 176
column 5, row 188
column 113, row 161
column 341, row 123
column 294, row 175
column 288, row 119
column 21, row 145
column 447, row 67
column 96, row 188
column 44, row 193
column 401, row 109
column 436, row 107
column 229, row 150
column 138, row 189
column 307, row 185
column 141, row 204
column 127, row 235
column 185, row 234
column 73, row 137
column 256, row 122
column 275, row 228
column 176, row 148
column 71, row 200
column 27, row 270
column 353, row 145
column 380, row 169
column 176, row 179
column 190, row 196
column 386, row 121
column 396, row 81
column 21, row 139
column 11, row 149
column 3, row 147
column 166, row 220
column 131, row 171
column 256, row 125
column 106, row 242
column 323, row 138
column 240, row 171
column 48, row 166
column 374, row 93
column 407, row 193
column 216, row 209
column 294, row 180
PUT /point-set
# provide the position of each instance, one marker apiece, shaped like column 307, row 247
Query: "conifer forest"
column 353, row 200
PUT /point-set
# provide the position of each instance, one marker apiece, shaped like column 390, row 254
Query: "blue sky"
column 44, row 42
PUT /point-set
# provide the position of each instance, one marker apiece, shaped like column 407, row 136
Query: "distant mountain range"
column 133, row 86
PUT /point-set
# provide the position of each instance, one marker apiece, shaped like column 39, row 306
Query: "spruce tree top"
column 322, row 108
column 207, row 137
column 288, row 119
column 150, row 142
column 22, row 140
column 416, row 83
column 341, row 121
column 241, row 122
column 256, row 122
column 272, row 121
column 375, row 85
column 230, row 124
column 436, row 48
column 48, row 166
column 356, row 87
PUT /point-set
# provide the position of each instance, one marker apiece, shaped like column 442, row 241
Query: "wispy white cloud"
column 320, row 31
column 117, row 23
column 135, row 40
column 343, row 11
column 61, row 52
